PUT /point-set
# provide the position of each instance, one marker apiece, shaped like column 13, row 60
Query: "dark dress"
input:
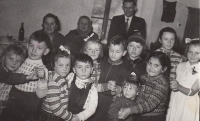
column 75, row 41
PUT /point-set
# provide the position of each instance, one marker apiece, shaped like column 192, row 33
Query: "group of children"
column 88, row 86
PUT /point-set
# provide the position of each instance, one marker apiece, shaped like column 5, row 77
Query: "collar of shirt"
column 118, row 62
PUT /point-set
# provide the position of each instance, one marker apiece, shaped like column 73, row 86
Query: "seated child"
column 113, row 71
column 130, row 88
column 94, row 49
column 11, row 59
column 55, row 104
column 83, row 97
column 23, row 96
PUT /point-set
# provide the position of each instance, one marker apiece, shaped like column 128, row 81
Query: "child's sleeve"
column 90, row 104
column 153, row 96
column 54, row 97
column 41, row 90
column 11, row 78
column 113, row 110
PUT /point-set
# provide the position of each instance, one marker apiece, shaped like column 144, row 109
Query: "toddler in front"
column 129, row 89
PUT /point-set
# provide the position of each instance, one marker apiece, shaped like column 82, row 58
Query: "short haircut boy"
column 117, row 40
column 40, row 36
column 81, row 57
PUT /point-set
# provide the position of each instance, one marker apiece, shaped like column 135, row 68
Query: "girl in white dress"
column 184, row 101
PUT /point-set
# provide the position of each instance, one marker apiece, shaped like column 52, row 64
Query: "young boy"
column 83, row 97
column 24, row 103
column 133, row 59
column 113, row 71
column 130, row 87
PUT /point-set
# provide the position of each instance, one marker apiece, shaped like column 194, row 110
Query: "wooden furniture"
column 5, row 42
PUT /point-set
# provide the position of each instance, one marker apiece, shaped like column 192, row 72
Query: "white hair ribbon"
column 188, row 40
column 86, row 39
column 62, row 48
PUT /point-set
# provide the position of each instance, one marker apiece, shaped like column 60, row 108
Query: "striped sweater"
column 175, row 59
column 56, row 100
column 153, row 96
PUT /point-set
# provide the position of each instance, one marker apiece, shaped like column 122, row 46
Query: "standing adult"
column 127, row 24
column 51, row 26
column 76, row 38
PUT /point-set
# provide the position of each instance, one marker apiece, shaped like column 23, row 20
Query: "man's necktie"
column 127, row 24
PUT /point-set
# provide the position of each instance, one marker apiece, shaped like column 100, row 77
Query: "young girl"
column 152, row 100
column 83, row 98
column 94, row 49
column 11, row 59
column 55, row 104
column 184, row 101
column 168, row 42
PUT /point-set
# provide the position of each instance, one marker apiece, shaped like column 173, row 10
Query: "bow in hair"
column 86, row 39
column 188, row 40
column 62, row 48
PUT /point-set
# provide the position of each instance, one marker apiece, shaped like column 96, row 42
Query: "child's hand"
column 75, row 118
column 112, row 85
column 174, row 85
column 124, row 113
column 32, row 77
column 40, row 73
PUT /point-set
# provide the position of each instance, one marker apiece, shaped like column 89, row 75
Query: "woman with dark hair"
column 76, row 38
column 152, row 100
column 51, row 26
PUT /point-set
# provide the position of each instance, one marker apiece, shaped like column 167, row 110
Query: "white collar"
column 130, row 18
column 82, row 83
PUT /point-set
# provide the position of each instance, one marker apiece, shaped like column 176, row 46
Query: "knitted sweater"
column 120, row 102
column 27, row 68
column 138, row 65
column 115, row 71
column 175, row 59
column 96, row 72
column 56, row 100
column 153, row 96
column 7, row 79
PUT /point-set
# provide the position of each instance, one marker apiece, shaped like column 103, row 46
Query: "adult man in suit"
column 127, row 24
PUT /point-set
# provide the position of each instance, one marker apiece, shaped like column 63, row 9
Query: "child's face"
column 62, row 66
column 13, row 62
column 116, row 52
column 82, row 70
column 193, row 54
column 134, row 49
column 36, row 50
column 49, row 25
column 93, row 50
column 154, row 68
column 130, row 90
column 167, row 40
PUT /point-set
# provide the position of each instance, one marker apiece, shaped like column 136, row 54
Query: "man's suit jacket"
column 118, row 27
